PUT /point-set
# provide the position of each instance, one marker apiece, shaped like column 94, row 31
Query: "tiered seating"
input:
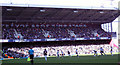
column 52, row 50
column 53, row 30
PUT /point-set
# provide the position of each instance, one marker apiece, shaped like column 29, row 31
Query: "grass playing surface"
column 73, row 59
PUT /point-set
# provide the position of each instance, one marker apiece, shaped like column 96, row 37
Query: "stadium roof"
column 81, row 4
column 41, row 14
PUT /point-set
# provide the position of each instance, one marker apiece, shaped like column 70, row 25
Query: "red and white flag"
column 114, row 43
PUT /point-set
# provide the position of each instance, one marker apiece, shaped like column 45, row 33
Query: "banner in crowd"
column 53, row 39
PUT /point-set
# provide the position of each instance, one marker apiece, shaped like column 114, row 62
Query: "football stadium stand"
column 17, row 52
column 53, row 30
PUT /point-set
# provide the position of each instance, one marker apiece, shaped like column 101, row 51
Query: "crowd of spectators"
column 51, row 30
column 52, row 50
column 14, row 54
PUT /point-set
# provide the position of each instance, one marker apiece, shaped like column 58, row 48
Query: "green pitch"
column 73, row 59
